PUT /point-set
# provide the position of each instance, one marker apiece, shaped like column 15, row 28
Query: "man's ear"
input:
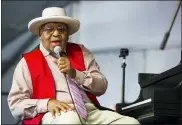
column 40, row 38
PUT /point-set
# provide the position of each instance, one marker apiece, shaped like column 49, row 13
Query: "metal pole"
column 123, row 92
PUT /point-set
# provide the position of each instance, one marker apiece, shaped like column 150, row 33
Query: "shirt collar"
column 43, row 50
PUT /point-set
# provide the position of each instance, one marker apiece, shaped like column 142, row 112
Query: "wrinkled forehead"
column 50, row 24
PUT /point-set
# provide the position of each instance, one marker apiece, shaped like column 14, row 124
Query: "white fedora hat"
column 54, row 14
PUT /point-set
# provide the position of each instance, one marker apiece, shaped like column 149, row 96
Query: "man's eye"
column 61, row 29
column 48, row 29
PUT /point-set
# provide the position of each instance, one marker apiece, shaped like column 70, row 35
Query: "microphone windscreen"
column 57, row 49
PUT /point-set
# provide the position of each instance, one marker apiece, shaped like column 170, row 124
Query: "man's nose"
column 56, row 33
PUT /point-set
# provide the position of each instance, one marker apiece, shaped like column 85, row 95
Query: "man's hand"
column 55, row 107
column 64, row 66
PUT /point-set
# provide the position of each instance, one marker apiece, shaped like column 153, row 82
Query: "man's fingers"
column 71, row 107
column 61, row 62
column 62, row 66
column 62, row 108
column 68, row 107
column 65, row 70
column 53, row 113
column 57, row 111
column 62, row 59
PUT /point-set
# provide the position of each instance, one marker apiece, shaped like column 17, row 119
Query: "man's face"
column 54, row 34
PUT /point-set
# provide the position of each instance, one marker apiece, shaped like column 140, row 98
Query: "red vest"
column 42, row 79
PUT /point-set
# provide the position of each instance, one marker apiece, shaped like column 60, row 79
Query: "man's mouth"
column 56, row 43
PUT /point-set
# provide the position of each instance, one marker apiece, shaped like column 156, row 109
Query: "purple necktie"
column 77, row 98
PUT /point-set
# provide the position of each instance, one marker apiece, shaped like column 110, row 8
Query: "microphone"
column 57, row 51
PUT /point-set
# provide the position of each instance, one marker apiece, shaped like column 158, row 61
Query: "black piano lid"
column 164, row 75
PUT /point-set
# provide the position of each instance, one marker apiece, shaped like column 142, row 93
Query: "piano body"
column 160, row 99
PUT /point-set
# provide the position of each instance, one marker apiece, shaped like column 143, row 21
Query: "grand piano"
column 160, row 98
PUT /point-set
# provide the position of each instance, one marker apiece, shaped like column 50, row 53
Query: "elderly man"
column 57, row 83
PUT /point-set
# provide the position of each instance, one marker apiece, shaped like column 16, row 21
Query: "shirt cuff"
column 79, row 77
column 42, row 105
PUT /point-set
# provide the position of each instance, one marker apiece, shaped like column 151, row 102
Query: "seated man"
column 53, row 86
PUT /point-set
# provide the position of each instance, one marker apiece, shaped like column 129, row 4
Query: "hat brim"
column 73, row 24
